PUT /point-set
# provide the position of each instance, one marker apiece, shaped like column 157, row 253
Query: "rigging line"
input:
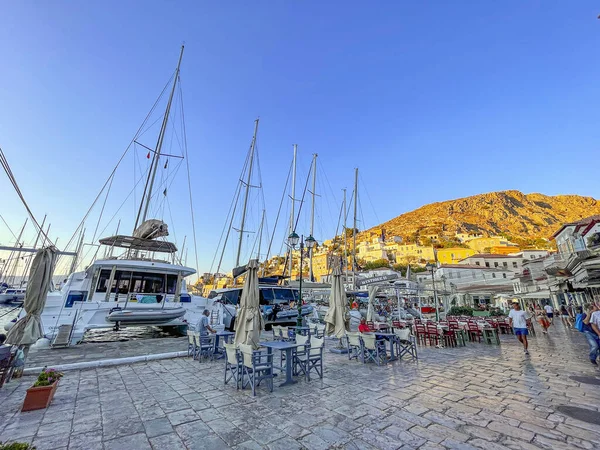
column 363, row 184
column 13, row 181
column 122, row 204
column 279, row 212
column 299, row 211
column 303, row 195
column 232, row 207
column 234, row 204
column 187, row 159
column 115, row 168
column 102, row 210
column 11, row 231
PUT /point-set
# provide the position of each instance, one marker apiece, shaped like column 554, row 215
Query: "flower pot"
column 39, row 397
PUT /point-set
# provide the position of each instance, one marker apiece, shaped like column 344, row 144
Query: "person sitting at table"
column 363, row 327
column 203, row 326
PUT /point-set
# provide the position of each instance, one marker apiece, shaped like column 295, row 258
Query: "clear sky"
column 431, row 100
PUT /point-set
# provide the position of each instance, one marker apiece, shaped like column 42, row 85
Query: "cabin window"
column 266, row 296
column 122, row 280
column 103, row 281
column 153, row 284
column 232, row 297
column 284, row 295
column 171, row 283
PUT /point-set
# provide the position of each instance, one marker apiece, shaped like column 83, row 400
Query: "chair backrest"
column 420, row 328
column 369, row 340
column 231, row 351
column 196, row 337
column 396, row 324
column 472, row 326
column 285, row 333
column 190, row 335
column 247, row 353
column 316, row 342
column 403, row 334
column 353, row 339
column 301, row 340
column 316, row 345
column 276, row 331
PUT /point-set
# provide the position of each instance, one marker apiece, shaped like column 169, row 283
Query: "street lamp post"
column 431, row 267
column 310, row 242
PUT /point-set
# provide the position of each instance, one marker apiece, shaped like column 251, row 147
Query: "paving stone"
column 51, row 442
column 157, row 427
column 52, row 429
column 285, row 444
column 511, row 431
column 167, row 442
column 135, row 441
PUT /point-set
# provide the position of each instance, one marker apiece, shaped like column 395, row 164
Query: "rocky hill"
column 511, row 213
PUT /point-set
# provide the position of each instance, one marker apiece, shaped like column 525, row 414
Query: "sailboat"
column 135, row 288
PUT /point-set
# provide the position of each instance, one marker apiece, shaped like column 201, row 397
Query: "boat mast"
column 354, row 229
column 293, row 214
column 312, row 217
column 248, row 179
column 345, row 238
column 145, row 203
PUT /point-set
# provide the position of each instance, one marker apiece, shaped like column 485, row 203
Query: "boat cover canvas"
column 136, row 243
column 249, row 321
column 28, row 329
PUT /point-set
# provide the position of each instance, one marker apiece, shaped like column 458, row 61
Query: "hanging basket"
column 39, row 397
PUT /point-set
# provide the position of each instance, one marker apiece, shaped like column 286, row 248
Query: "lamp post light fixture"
column 432, row 268
column 310, row 242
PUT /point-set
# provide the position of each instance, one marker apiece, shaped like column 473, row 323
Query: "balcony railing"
column 557, row 260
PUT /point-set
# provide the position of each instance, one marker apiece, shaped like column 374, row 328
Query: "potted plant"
column 16, row 446
column 40, row 394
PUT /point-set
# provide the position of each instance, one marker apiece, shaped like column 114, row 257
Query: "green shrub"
column 460, row 311
column 16, row 446
column 496, row 312
column 47, row 377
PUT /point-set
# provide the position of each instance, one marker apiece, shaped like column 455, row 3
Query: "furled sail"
column 151, row 229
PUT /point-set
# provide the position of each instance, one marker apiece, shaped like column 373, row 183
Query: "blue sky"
column 431, row 100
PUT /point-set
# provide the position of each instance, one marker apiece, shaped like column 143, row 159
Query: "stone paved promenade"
column 476, row 397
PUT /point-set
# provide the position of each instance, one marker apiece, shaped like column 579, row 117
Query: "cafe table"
column 226, row 336
column 286, row 347
column 391, row 338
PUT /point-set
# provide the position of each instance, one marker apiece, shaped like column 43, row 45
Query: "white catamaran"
column 135, row 288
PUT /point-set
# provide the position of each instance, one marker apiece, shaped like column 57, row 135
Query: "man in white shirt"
column 518, row 320
column 549, row 312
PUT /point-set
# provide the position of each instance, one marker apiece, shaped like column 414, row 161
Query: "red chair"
column 433, row 334
column 474, row 331
column 421, row 333
column 504, row 326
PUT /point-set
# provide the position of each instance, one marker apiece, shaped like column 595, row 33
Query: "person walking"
column 586, row 327
column 564, row 316
column 549, row 312
column 518, row 321
column 542, row 319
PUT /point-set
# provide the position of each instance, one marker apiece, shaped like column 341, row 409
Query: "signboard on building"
column 372, row 280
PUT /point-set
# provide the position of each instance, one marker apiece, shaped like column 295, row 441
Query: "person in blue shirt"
column 203, row 326
column 591, row 335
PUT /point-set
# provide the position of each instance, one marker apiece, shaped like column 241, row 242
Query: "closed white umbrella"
column 335, row 319
column 29, row 328
column 249, row 321
column 371, row 307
